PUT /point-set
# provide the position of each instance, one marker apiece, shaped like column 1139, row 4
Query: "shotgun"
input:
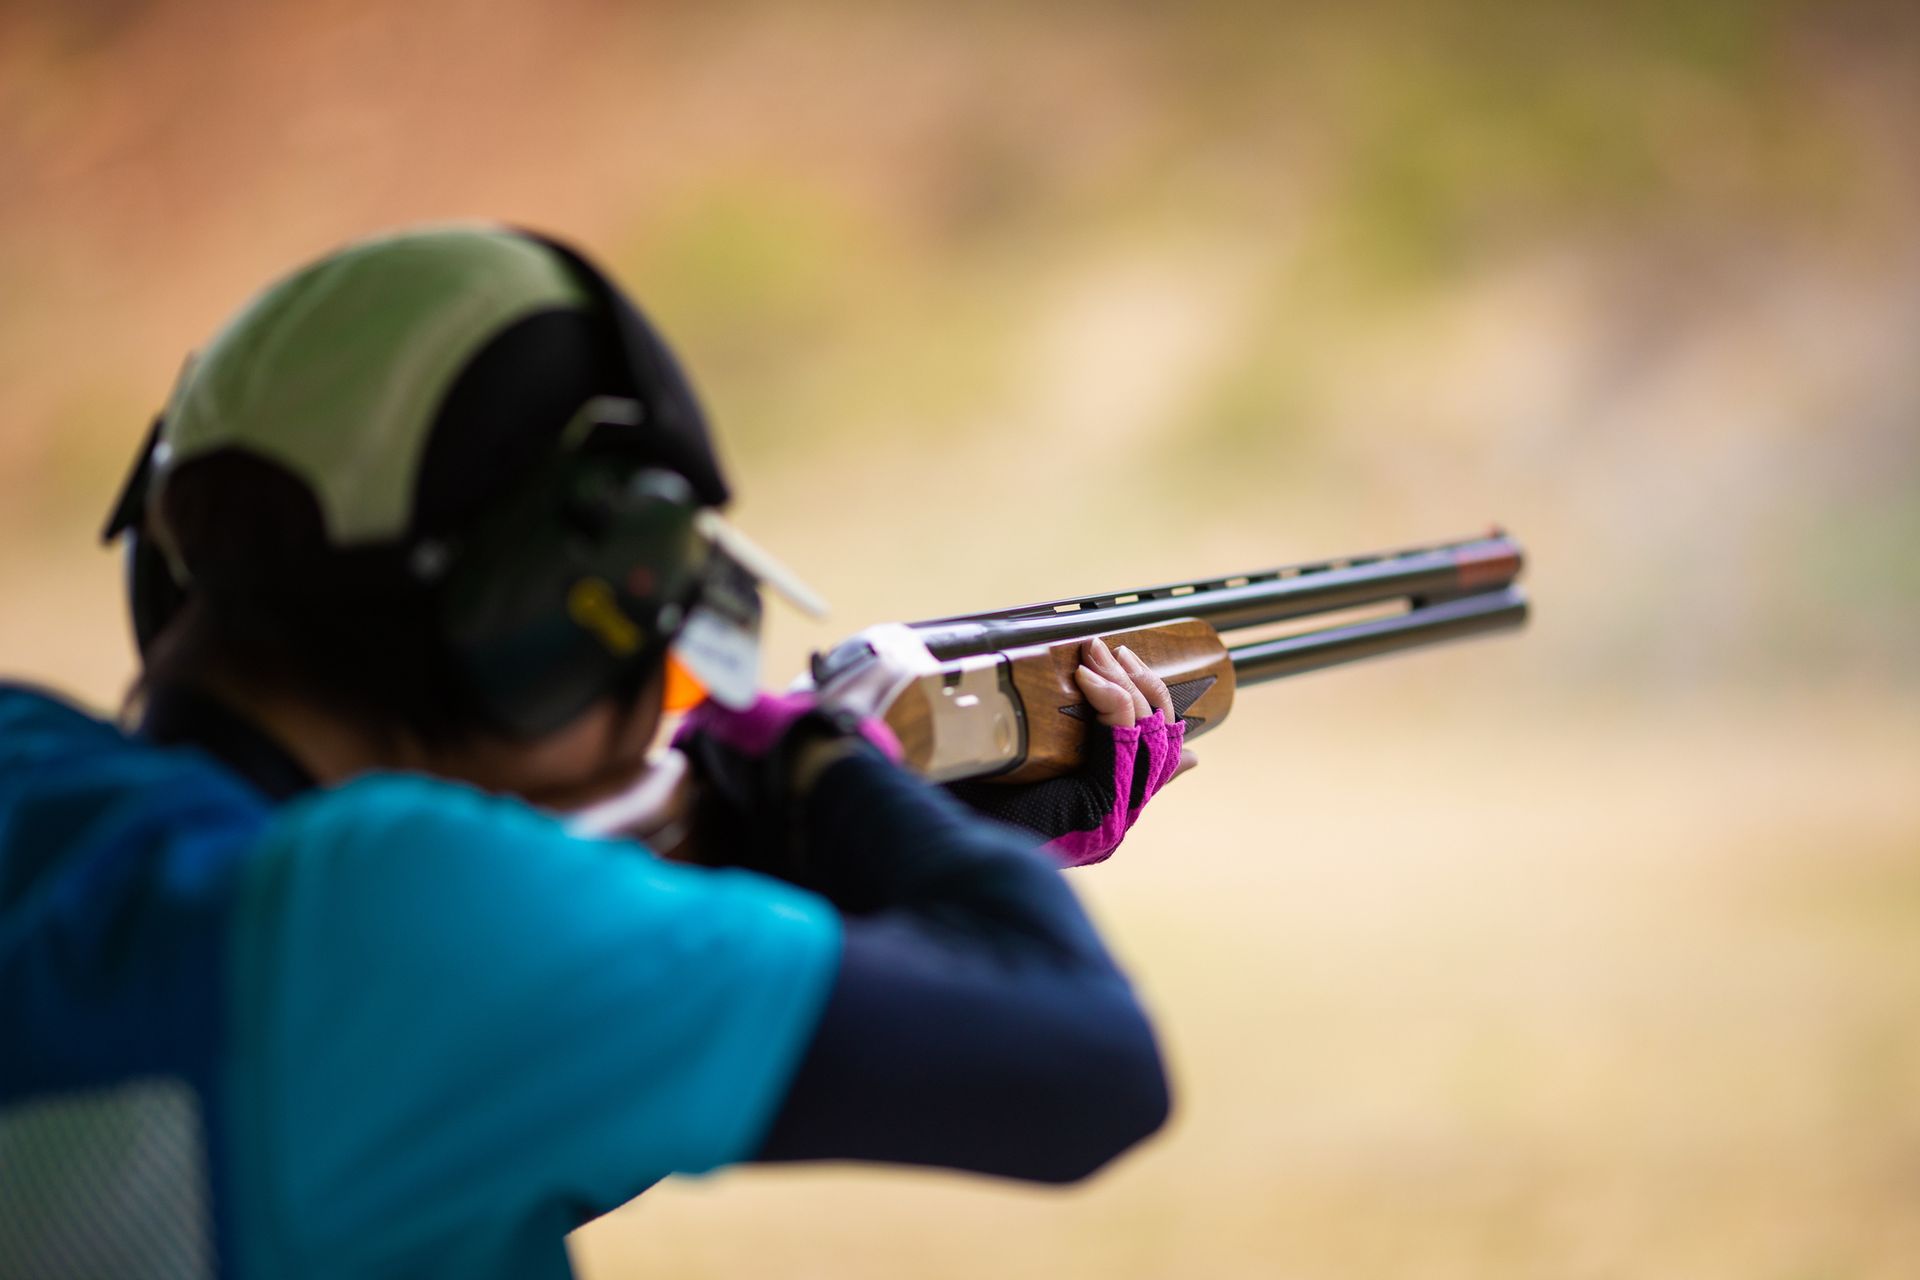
column 992, row 694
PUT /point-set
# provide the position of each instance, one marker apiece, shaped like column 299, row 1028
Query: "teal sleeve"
column 458, row 1029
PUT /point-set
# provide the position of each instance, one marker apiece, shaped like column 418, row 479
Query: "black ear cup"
column 153, row 597
column 572, row 589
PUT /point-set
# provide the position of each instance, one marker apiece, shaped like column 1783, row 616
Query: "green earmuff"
column 574, row 586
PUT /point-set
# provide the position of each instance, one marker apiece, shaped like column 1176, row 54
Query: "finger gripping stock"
column 1187, row 653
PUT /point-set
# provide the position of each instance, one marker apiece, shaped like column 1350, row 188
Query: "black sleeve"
column 976, row 1021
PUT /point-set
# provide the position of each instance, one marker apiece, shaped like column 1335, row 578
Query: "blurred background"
column 1593, row 952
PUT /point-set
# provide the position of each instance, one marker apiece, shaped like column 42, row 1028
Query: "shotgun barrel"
column 1417, row 575
column 1468, row 615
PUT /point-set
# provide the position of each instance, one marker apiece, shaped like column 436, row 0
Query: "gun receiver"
column 994, row 694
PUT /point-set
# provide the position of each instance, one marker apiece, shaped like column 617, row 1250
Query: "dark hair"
column 272, row 606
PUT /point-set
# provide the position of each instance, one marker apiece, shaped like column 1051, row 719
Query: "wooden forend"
column 1187, row 653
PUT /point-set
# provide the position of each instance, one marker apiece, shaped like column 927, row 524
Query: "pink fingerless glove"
column 1161, row 743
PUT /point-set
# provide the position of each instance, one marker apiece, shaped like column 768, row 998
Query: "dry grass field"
column 1532, row 990
column 1464, row 970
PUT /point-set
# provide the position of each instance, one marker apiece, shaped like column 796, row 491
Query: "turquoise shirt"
column 437, row 1030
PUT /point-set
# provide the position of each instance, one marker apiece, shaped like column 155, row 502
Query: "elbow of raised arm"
column 1115, row 1096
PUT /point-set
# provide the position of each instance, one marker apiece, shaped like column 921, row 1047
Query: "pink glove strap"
column 1082, row 848
column 1162, row 742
